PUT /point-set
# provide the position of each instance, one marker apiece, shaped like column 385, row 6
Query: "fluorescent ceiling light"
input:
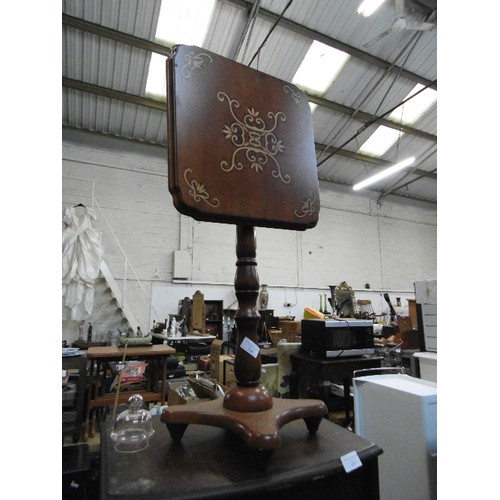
column 384, row 137
column 380, row 141
column 156, row 85
column 319, row 68
column 385, row 173
column 184, row 23
column 368, row 7
column 409, row 112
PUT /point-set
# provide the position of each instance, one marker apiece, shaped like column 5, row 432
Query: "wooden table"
column 236, row 134
column 155, row 356
column 307, row 370
column 212, row 463
column 185, row 338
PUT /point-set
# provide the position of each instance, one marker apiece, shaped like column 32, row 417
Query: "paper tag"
column 251, row 347
column 351, row 461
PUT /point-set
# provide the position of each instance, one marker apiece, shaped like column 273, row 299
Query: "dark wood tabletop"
column 210, row 462
column 240, row 144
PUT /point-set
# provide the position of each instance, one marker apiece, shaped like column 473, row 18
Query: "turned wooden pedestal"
column 248, row 409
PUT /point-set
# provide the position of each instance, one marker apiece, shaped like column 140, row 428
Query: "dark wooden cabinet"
column 214, row 317
column 310, row 376
column 267, row 320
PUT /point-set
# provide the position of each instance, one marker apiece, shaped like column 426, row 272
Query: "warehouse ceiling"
column 108, row 48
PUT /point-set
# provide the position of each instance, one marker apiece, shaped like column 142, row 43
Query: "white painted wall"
column 389, row 246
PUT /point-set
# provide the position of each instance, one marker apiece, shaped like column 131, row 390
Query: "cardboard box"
column 176, row 398
column 199, row 392
column 217, row 365
column 230, row 376
column 215, row 353
column 207, row 388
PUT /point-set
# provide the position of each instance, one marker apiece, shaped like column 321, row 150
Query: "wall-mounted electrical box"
column 182, row 265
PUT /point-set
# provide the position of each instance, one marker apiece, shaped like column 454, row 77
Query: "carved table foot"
column 312, row 424
column 176, row 431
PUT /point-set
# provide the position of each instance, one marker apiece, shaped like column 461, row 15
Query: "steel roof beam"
column 112, row 34
column 367, row 117
column 164, row 50
column 337, row 44
column 161, row 106
column 113, row 94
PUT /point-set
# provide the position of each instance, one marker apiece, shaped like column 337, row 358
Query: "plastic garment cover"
column 81, row 260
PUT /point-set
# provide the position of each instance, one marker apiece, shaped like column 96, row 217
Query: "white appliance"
column 427, row 362
column 399, row 414
column 426, row 297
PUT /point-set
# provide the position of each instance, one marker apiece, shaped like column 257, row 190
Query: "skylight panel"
column 184, row 23
column 409, row 112
column 156, row 85
column 384, row 138
column 380, row 141
column 320, row 67
column 368, row 7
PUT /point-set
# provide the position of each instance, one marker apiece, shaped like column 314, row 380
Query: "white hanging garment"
column 81, row 260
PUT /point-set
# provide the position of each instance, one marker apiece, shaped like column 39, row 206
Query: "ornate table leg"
column 248, row 394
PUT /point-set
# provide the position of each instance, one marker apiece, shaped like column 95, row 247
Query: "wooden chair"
column 241, row 151
column 365, row 308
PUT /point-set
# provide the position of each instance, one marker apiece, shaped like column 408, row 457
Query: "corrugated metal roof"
column 106, row 53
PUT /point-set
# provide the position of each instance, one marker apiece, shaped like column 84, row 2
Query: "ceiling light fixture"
column 385, row 173
column 319, row 68
column 368, row 7
column 414, row 105
column 380, row 141
column 185, row 22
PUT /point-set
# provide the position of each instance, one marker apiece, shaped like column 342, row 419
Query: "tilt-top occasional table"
column 241, row 151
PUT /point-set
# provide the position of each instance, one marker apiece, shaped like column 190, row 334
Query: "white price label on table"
column 351, row 461
column 251, row 347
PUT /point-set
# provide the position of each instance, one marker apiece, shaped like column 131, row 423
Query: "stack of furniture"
column 73, row 409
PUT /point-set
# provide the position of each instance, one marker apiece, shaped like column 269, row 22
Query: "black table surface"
column 343, row 366
column 210, row 462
